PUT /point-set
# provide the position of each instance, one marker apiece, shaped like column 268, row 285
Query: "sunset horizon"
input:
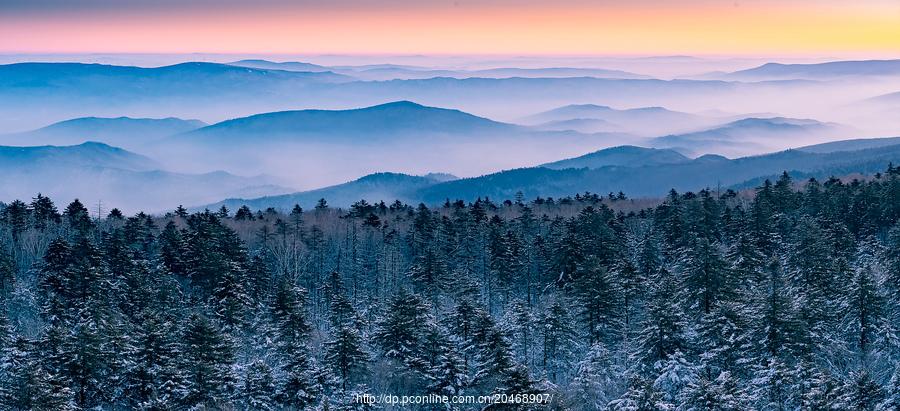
column 696, row 27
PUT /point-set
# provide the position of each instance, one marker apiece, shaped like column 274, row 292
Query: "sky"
column 528, row 27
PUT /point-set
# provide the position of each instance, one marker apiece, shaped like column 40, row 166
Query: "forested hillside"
column 788, row 298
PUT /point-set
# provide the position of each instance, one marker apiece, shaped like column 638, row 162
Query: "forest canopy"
column 785, row 298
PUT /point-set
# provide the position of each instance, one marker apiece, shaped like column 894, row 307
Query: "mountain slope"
column 626, row 156
column 287, row 66
column 391, row 120
column 752, row 136
column 120, row 131
column 89, row 154
column 373, row 188
column 657, row 180
column 636, row 180
column 316, row 148
column 400, row 73
column 33, row 93
column 828, row 70
column 98, row 172
column 643, row 120
column 851, row 145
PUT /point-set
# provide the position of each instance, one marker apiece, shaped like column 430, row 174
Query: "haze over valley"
column 258, row 127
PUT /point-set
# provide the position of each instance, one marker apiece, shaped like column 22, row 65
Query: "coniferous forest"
column 780, row 298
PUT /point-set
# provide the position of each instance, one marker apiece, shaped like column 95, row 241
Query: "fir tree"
column 345, row 357
column 296, row 367
column 207, row 362
column 559, row 342
column 258, row 389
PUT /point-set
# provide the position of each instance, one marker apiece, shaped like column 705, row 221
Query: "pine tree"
column 230, row 296
column 662, row 332
column 493, row 359
column 772, row 386
column 519, row 324
column 155, row 377
column 26, row 384
column 400, row 333
column 44, row 212
column 296, row 367
column 721, row 394
column 704, row 275
column 559, row 343
column 243, row 214
column 448, row 376
column 599, row 302
column 863, row 393
column 641, row 395
column 77, row 216
column 865, row 317
column 258, row 389
column 345, row 357
column 17, row 216
column 597, row 380
column 891, row 400
column 7, row 273
column 207, row 362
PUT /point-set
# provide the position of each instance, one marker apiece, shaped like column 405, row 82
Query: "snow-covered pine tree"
column 258, row 389
column 207, row 363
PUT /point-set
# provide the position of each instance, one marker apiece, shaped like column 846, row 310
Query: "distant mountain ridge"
column 831, row 69
column 375, row 187
column 287, row 66
column 88, row 154
column 636, row 179
column 401, row 72
column 751, row 136
column 95, row 171
column 851, row 145
column 641, row 120
column 119, row 131
column 628, row 156
column 396, row 119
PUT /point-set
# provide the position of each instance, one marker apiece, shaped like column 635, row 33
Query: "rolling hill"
column 647, row 121
column 316, row 148
column 372, row 188
column 850, row 145
column 396, row 120
column 287, row 66
column 89, row 154
column 120, row 131
column 635, row 178
column 819, row 71
column 399, row 72
column 620, row 156
column 656, row 180
column 33, row 93
column 99, row 172
column 752, row 136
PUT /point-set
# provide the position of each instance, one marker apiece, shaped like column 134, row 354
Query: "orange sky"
column 445, row 27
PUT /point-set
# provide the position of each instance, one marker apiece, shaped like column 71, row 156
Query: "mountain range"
column 819, row 71
column 33, row 94
column 401, row 72
column 374, row 124
column 98, row 172
column 753, row 136
column 121, row 131
column 315, row 148
column 647, row 121
column 639, row 172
